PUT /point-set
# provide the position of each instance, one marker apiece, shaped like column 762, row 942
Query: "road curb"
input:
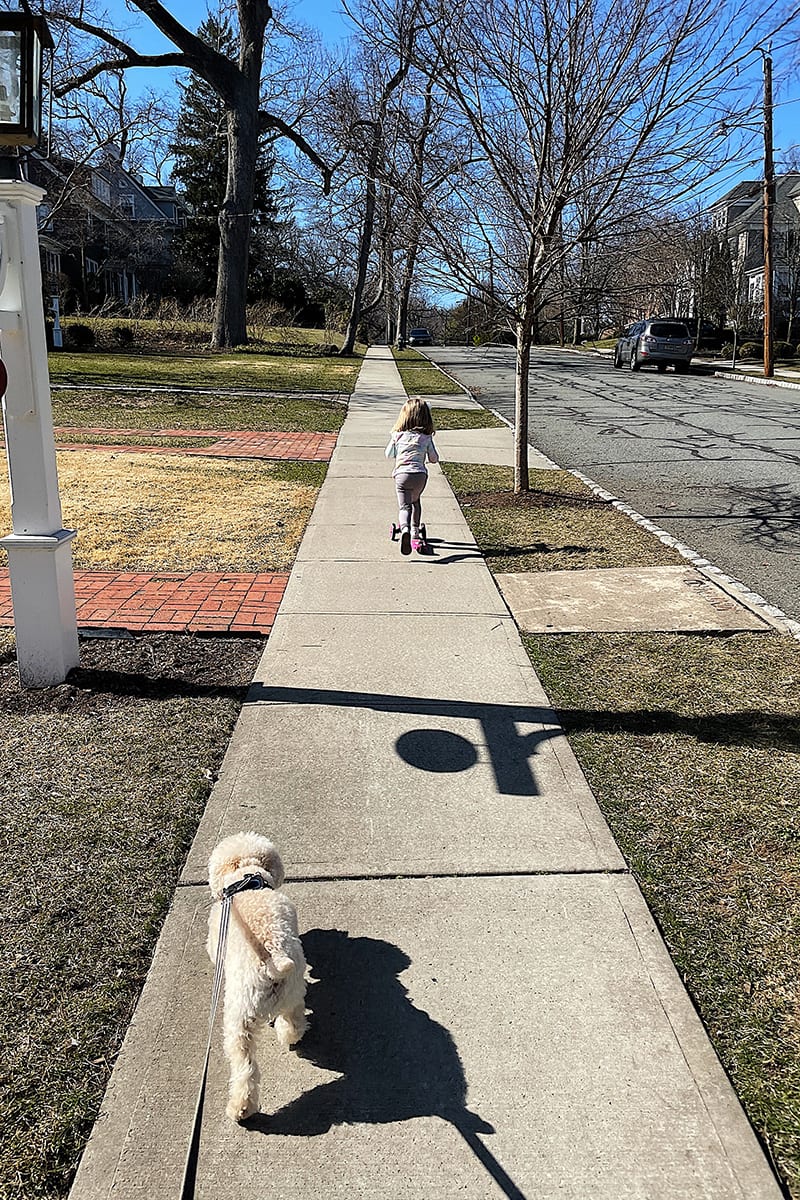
column 739, row 378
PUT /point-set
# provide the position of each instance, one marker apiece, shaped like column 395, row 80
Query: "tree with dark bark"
column 236, row 79
column 200, row 151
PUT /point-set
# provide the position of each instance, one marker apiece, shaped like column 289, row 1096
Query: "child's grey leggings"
column 409, row 489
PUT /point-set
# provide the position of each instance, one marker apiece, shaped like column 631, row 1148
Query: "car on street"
column 658, row 341
column 420, row 337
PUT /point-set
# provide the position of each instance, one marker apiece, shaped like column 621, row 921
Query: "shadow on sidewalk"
column 439, row 750
column 395, row 1062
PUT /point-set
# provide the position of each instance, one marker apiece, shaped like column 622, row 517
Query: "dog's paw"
column 240, row 1110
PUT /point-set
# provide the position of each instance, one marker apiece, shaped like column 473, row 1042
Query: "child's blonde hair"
column 414, row 414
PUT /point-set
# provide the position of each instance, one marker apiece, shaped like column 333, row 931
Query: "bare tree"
column 572, row 106
column 93, row 49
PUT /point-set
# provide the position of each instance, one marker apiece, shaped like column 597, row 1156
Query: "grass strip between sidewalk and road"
column 560, row 525
column 691, row 744
column 104, row 779
column 421, row 377
column 464, row 418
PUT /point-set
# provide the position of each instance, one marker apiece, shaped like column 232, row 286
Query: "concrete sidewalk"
column 493, row 1011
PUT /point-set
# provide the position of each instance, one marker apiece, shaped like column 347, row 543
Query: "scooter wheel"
column 393, row 531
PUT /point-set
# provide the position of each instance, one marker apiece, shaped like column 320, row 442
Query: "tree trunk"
column 523, row 362
column 405, row 286
column 235, row 217
column 364, row 247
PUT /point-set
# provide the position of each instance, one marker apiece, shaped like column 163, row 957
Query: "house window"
column 52, row 262
column 742, row 245
column 92, row 266
column 755, row 288
column 127, row 205
column 101, row 188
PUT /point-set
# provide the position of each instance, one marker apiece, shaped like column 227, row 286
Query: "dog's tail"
column 280, row 964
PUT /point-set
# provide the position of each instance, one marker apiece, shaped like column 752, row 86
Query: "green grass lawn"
column 464, row 418
column 195, row 410
column 421, row 377
column 234, row 370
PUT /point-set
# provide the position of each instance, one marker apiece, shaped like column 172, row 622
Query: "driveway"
column 714, row 462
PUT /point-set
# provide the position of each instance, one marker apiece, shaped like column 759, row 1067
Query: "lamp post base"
column 43, row 595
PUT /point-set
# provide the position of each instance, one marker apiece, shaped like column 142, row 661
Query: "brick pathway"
column 197, row 602
column 233, row 443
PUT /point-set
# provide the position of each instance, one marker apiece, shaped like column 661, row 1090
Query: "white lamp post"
column 39, row 549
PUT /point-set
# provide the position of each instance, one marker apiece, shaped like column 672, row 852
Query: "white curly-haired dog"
column 264, row 962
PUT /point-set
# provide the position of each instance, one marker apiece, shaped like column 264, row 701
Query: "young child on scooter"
column 411, row 445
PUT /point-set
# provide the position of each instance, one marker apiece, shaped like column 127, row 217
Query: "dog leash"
column 242, row 885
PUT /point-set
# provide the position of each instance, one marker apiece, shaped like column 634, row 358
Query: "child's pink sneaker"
column 417, row 543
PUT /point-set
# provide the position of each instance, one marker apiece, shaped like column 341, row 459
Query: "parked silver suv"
column 658, row 340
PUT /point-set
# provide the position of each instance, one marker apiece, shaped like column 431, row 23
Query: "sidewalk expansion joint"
column 398, row 875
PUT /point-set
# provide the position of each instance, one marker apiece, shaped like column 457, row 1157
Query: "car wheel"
column 661, row 367
column 617, row 358
column 681, row 368
column 635, row 364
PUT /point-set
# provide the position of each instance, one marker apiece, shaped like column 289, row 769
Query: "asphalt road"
column 714, row 462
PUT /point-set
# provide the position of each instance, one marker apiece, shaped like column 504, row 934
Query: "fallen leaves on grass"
column 175, row 513
column 102, row 782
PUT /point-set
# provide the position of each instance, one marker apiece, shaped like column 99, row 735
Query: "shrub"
column 784, row 350
column 123, row 335
column 79, row 336
column 727, row 350
column 751, row 350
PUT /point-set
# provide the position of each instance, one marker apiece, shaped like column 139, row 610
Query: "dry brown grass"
column 181, row 513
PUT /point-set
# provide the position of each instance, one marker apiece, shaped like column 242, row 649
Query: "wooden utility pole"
column 769, row 206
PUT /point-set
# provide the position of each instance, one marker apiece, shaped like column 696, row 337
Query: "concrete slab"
column 519, row 1037
column 469, row 659
column 412, row 585
column 493, row 446
column 622, row 600
column 340, row 488
column 336, row 507
column 370, row 542
column 409, row 788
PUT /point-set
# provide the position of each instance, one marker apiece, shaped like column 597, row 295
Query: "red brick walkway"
column 198, row 602
column 306, row 447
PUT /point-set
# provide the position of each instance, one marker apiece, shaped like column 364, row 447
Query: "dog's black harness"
column 245, row 884
column 248, row 883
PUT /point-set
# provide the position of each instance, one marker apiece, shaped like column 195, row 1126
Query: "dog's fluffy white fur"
column 264, row 962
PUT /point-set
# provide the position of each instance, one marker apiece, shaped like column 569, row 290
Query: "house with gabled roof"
column 104, row 233
column 739, row 217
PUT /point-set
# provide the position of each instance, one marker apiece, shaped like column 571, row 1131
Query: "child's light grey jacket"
column 411, row 448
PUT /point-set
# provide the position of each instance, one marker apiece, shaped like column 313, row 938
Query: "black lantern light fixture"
column 23, row 36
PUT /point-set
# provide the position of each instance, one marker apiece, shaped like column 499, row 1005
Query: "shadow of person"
column 395, row 1063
